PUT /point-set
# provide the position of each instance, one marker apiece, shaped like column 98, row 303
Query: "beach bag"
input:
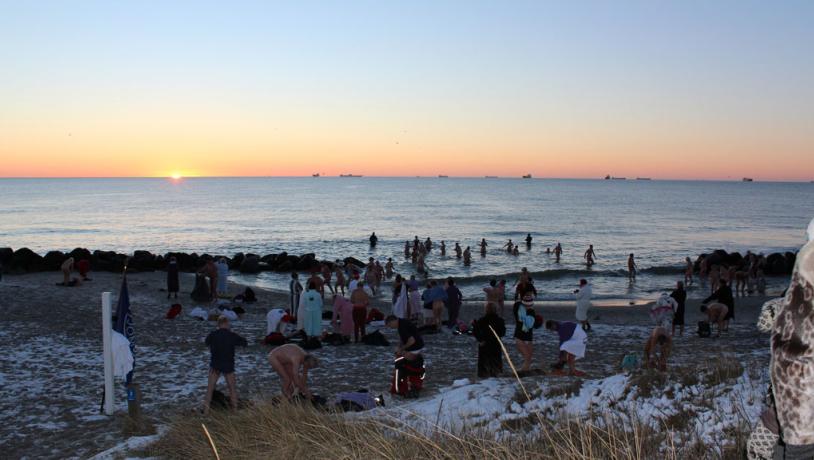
column 311, row 343
column 374, row 315
column 630, row 361
column 375, row 338
column 274, row 339
column 408, row 377
column 704, row 329
column 174, row 311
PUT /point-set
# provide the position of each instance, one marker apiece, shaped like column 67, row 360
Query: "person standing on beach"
column 223, row 276
column 524, row 330
column 211, row 272
column 340, row 278
column 483, row 246
column 292, row 364
column 680, row 296
column 583, row 295
column 457, row 250
column 222, row 342
column 294, row 292
column 688, row 272
column 631, row 267
column 373, row 240
column 558, row 252
column 490, row 356
column 172, row 278
column 572, row 346
column 312, row 311
column 453, row 302
column 492, row 293
column 360, row 301
column 67, row 267
column 326, row 276
column 501, row 298
column 589, row 256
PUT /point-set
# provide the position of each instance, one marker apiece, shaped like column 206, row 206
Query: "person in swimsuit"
column 528, row 241
column 360, row 301
column 443, row 248
column 222, row 342
column 388, row 268
column 340, row 278
column 524, row 330
column 483, row 246
column 67, row 267
column 688, row 272
column 657, row 349
column 631, row 267
column 558, row 252
column 467, row 256
column 589, row 256
column 292, row 364
column 326, row 275
column 457, row 250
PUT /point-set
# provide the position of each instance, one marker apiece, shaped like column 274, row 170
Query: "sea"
column 661, row 222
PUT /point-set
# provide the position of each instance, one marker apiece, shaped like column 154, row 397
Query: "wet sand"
column 51, row 374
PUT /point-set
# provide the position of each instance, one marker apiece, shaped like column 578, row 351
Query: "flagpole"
column 107, row 350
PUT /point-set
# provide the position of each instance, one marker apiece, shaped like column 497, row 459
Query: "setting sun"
column 175, row 176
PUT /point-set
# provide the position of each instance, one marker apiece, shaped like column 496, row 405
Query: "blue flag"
column 124, row 321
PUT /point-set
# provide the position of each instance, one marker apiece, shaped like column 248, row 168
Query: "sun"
column 176, row 176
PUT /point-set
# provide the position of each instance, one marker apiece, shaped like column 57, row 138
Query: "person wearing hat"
column 524, row 329
column 572, row 345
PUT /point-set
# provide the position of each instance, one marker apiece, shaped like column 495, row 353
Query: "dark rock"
column 6, row 255
column 775, row 264
column 108, row 261
column 250, row 264
column 269, row 259
column 25, row 260
column 186, row 262
column 53, row 260
column 234, row 264
column 307, row 262
column 80, row 254
column 284, row 265
column 734, row 259
column 142, row 261
column 354, row 261
column 718, row 257
column 791, row 258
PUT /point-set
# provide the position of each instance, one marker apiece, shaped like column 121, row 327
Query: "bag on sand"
column 274, row 339
column 311, row 343
column 374, row 315
column 174, row 311
column 375, row 338
column 704, row 329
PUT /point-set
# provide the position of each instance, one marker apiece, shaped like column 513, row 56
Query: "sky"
column 682, row 90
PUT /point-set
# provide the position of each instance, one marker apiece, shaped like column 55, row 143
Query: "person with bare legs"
column 716, row 314
column 590, row 256
column 572, row 346
column 657, row 349
column 483, row 246
column 631, row 268
column 524, row 330
column 340, row 278
column 292, row 364
column 688, row 272
column 558, row 252
column 360, row 301
column 680, row 296
column 222, row 342
column 457, row 250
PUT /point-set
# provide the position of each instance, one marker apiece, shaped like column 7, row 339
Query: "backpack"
column 375, row 338
column 311, row 343
column 374, row 315
column 630, row 361
column 704, row 329
column 274, row 339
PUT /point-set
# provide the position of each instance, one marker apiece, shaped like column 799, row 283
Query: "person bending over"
column 716, row 314
column 657, row 349
column 292, row 364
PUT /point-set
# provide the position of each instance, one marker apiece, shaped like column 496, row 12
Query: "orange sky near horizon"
column 673, row 91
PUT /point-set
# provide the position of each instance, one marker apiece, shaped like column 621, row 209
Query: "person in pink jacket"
column 343, row 311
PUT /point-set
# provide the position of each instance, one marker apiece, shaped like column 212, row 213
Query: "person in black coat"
column 172, row 278
column 724, row 296
column 680, row 296
column 490, row 356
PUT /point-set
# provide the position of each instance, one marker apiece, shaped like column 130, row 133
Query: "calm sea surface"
column 660, row 221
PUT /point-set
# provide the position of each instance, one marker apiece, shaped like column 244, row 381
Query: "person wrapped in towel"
column 663, row 311
column 572, row 346
column 408, row 377
column 343, row 313
column 312, row 311
column 787, row 430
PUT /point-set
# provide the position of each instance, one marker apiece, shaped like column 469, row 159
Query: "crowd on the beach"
column 419, row 307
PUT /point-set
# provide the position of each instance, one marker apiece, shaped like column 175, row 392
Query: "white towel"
column 122, row 356
column 576, row 344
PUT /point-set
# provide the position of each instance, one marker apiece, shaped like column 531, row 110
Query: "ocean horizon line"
column 613, row 179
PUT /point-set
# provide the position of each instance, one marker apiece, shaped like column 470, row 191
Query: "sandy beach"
column 51, row 377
